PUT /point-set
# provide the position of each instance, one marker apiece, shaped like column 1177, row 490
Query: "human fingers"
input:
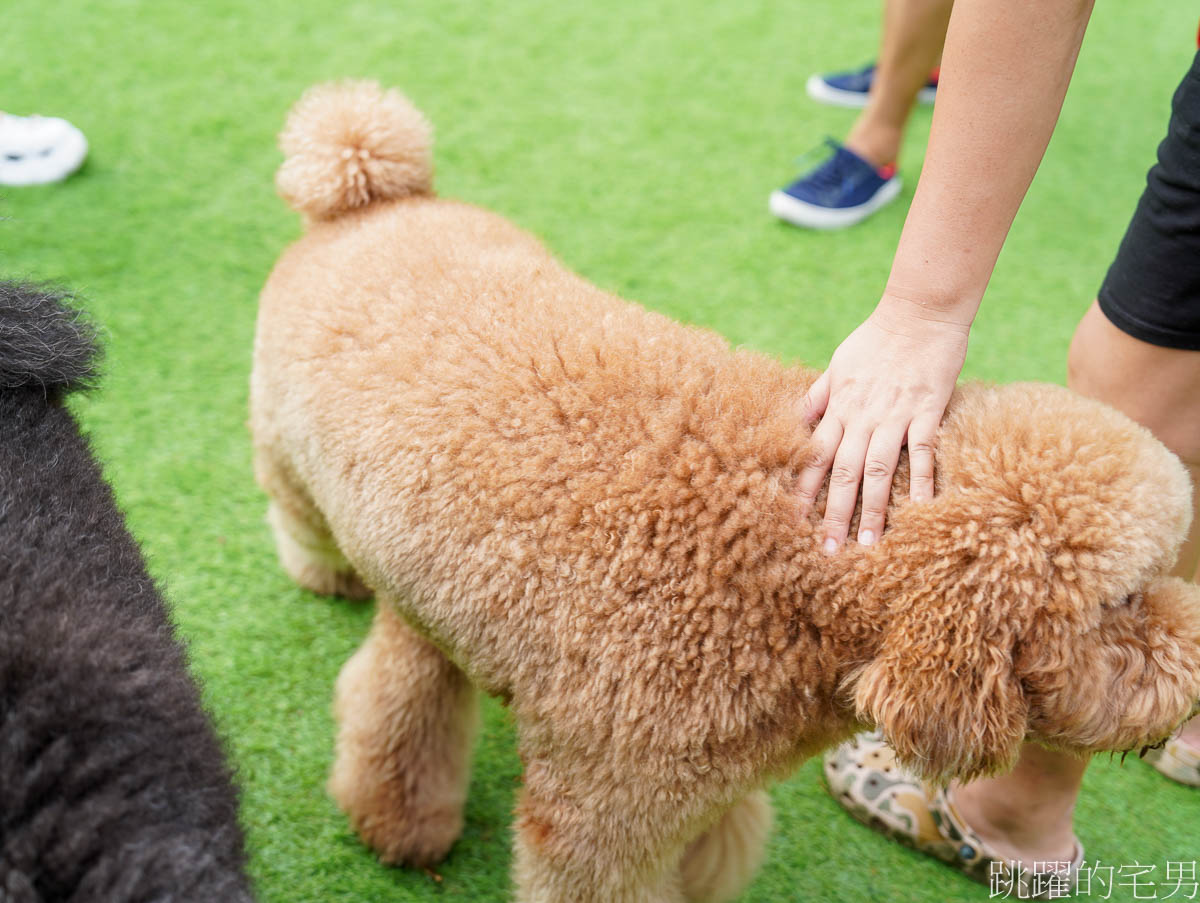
column 844, row 477
column 824, row 445
column 816, row 399
column 883, row 454
column 922, row 435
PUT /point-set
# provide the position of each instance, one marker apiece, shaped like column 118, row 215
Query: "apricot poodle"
column 589, row 510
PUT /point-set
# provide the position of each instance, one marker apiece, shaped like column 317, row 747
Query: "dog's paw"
column 349, row 585
column 413, row 836
column 344, row 583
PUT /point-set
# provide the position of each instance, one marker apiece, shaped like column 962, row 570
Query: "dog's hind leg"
column 305, row 545
column 719, row 864
column 407, row 717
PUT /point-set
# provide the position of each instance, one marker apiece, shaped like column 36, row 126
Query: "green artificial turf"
column 641, row 142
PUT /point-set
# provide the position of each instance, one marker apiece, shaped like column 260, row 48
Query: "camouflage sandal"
column 866, row 780
column 1176, row 760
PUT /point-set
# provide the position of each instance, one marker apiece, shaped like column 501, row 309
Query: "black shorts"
column 1152, row 290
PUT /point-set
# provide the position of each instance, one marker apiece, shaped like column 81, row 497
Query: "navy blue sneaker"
column 842, row 191
column 850, row 89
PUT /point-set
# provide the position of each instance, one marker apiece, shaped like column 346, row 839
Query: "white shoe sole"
column 810, row 216
column 823, row 92
column 29, row 158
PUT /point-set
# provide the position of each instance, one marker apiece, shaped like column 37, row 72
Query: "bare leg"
column 407, row 718
column 1108, row 364
column 1027, row 814
column 913, row 34
column 1191, row 733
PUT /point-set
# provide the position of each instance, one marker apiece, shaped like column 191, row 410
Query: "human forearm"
column 1005, row 72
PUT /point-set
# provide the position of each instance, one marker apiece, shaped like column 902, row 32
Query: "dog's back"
column 113, row 785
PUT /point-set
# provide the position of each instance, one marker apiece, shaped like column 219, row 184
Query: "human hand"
column 887, row 384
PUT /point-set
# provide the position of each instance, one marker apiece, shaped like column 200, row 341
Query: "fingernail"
column 866, row 538
column 830, row 546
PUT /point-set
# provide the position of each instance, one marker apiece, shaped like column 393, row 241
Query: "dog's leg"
column 310, row 556
column 305, row 545
column 407, row 718
column 719, row 864
column 576, row 842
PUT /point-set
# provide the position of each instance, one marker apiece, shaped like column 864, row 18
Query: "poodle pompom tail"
column 349, row 144
column 44, row 342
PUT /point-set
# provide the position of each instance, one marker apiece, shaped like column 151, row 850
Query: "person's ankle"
column 1039, row 832
column 1189, row 734
column 879, row 147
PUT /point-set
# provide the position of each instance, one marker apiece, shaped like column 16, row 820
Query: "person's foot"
column 35, row 150
column 1179, row 757
column 850, row 89
column 840, row 192
column 864, row 777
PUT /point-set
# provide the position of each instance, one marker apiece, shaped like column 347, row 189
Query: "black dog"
column 113, row 785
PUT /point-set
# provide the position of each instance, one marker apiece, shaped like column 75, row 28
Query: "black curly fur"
column 43, row 341
column 113, row 784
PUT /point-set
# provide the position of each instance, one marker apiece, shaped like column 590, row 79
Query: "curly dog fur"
column 113, row 786
column 589, row 510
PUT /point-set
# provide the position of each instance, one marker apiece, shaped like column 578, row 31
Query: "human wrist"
column 924, row 313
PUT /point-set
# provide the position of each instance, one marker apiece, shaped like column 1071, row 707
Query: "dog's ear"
column 942, row 686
